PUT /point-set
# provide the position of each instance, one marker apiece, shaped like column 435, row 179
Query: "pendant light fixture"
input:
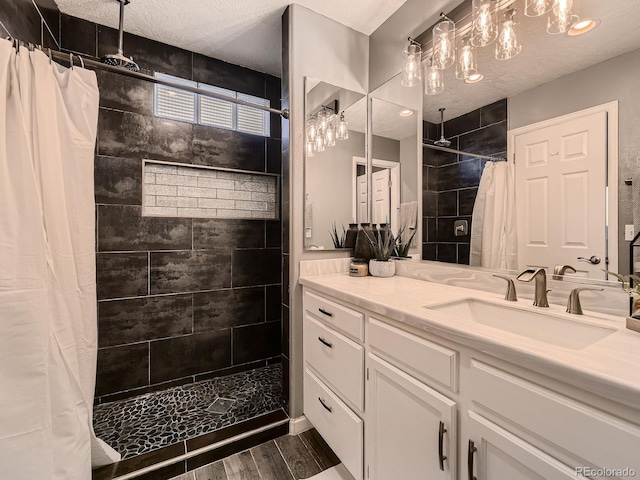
column 433, row 79
column 312, row 129
column 509, row 39
column 444, row 37
column 323, row 121
column 330, row 134
column 466, row 59
column 342, row 130
column 411, row 74
column 537, row 8
column 484, row 29
column 310, row 148
column 561, row 19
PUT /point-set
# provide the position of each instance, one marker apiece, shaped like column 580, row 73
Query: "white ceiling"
column 543, row 58
column 243, row 32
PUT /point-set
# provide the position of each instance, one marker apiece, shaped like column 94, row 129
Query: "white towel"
column 308, row 217
column 409, row 215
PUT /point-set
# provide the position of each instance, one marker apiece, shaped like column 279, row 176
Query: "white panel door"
column 381, row 196
column 495, row 454
column 561, row 194
column 403, row 433
column 361, row 198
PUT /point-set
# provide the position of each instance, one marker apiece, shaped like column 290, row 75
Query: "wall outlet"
column 629, row 233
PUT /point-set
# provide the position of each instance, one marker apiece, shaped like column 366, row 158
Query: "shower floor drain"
column 221, row 405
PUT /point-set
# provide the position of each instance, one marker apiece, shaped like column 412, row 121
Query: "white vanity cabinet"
column 397, row 403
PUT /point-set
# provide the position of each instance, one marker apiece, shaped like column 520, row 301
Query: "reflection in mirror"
column 395, row 158
column 335, row 166
column 564, row 114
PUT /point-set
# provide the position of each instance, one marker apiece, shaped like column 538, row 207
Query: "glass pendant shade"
column 310, row 148
column 484, row 28
column 509, row 38
column 342, row 130
column 537, row 8
column 323, row 119
column 319, row 143
column 433, row 79
column 561, row 18
column 312, row 129
column 466, row 60
column 411, row 74
column 330, row 135
column 444, row 34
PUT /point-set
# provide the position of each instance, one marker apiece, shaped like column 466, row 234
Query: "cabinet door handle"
column 324, row 342
column 441, row 456
column 326, row 407
column 472, row 450
column 324, row 312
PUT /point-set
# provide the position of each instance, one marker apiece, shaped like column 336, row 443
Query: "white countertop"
column 609, row 368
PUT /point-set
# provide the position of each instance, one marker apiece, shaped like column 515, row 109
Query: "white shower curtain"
column 48, row 326
column 493, row 226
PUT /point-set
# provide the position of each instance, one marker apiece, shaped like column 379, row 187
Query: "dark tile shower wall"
column 180, row 299
column 450, row 181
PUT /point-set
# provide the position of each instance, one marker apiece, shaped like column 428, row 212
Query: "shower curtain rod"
column 86, row 62
column 475, row 155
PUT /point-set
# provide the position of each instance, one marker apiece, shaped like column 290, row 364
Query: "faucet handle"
column 573, row 305
column 533, row 272
column 510, row 294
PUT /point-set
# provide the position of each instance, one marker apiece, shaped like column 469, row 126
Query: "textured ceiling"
column 543, row 58
column 244, row 32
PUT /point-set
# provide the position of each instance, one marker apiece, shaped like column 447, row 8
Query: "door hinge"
column 390, row 183
column 367, row 373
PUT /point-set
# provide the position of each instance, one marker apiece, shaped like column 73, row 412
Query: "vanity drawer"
column 339, row 426
column 416, row 356
column 338, row 360
column 592, row 435
column 344, row 319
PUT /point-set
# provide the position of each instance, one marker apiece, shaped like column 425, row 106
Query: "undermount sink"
column 543, row 326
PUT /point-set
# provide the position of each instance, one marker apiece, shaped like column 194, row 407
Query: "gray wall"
column 314, row 46
column 614, row 79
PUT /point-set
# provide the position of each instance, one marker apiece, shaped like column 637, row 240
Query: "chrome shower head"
column 443, row 142
column 118, row 59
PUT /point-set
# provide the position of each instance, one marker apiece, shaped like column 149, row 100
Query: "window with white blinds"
column 189, row 107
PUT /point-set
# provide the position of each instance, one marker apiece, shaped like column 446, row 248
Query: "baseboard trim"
column 298, row 425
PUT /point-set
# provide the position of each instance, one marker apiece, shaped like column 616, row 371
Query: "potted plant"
column 402, row 248
column 383, row 247
column 338, row 239
column 633, row 322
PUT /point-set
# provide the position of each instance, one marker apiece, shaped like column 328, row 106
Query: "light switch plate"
column 629, row 233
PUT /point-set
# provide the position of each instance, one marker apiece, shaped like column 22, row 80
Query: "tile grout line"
column 254, row 461
column 285, row 460
column 310, row 452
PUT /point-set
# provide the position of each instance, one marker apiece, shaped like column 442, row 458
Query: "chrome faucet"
column 560, row 270
column 540, row 276
column 573, row 305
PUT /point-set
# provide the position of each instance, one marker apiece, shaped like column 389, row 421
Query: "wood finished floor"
column 291, row 457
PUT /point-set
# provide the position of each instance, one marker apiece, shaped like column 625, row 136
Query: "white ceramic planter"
column 382, row 269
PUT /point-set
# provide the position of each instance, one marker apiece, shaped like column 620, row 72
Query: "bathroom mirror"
column 396, row 155
column 336, row 176
column 553, row 76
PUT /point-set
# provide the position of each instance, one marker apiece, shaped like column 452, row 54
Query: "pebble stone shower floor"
column 148, row 422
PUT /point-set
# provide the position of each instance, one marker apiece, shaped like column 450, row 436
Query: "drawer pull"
column 326, row 407
column 324, row 312
column 324, row 342
column 441, row 456
column 472, row 450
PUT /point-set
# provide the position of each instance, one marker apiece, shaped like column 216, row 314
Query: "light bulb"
column 411, row 74
column 312, row 129
column 330, row 135
column 508, row 45
column 466, row 63
column 310, row 147
column 537, row 8
column 484, row 28
column 342, row 131
column 319, row 143
column 444, row 34
column 323, row 118
column 433, row 81
column 561, row 19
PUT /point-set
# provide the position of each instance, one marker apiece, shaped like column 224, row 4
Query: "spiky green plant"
column 383, row 248
column 338, row 240
column 402, row 248
column 625, row 280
